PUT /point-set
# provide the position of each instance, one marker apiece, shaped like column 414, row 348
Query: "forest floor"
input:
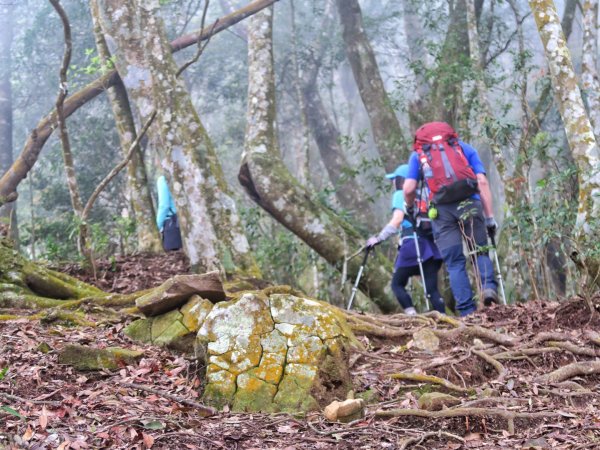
column 504, row 400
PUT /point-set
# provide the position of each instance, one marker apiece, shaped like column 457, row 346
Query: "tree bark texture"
column 589, row 67
column 148, row 237
column 212, row 232
column 386, row 129
column 572, row 110
column 46, row 126
column 7, row 212
column 269, row 183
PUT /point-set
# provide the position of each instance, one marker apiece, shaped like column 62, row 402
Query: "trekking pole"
column 420, row 261
column 358, row 275
column 498, row 268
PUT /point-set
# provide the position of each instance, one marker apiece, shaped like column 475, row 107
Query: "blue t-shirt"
column 414, row 166
column 166, row 205
column 398, row 203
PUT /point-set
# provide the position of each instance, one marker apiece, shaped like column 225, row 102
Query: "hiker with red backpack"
column 460, row 207
column 424, row 259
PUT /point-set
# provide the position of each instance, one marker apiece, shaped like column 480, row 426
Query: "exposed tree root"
column 525, row 352
column 493, row 361
column 510, row 416
column 570, row 371
column 434, row 380
column 418, row 440
column 575, row 349
column 52, row 315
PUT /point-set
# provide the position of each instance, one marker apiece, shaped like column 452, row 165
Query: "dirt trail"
column 500, row 364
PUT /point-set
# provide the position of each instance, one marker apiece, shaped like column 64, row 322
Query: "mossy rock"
column 274, row 351
column 87, row 358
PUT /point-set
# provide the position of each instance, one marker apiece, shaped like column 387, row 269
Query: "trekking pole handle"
column 367, row 251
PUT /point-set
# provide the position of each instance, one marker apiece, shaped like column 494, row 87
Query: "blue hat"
column 401, row 171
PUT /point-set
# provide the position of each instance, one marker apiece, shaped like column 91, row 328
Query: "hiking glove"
column 372, row 242
column 491, row 225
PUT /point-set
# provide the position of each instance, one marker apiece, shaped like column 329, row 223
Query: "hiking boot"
column 410, row 311
column 490, row 296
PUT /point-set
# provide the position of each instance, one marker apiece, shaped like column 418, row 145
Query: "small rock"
column 345, row 411
column 436, row 401
column 370, row 396
column 425, row 339
column 88, row 358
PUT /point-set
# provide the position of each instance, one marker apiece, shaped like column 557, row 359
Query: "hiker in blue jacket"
column 406, row 262
column 471, row 219
column 166, row 205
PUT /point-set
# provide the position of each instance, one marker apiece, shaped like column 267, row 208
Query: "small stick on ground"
column 432, row 379
column 418, row 440
column 205, row 410
column 26, row 400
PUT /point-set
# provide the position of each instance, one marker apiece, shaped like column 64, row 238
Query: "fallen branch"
column 34, row 402
column 510, row 416
column 570, row 371
column 432, row 379
column 206, row 411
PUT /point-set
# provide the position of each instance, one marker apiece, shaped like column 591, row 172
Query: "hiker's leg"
column 431, row 268
column 475, row 227
column 459, row 279
column 399, row 282
column 448, row 238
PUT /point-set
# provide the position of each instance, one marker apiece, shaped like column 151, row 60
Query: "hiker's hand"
column 491, row 225
column 410, row 213
column 372, row 242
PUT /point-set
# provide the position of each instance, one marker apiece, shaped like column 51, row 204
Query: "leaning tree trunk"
column 148, row 238
column 387, row 132
column 271, row 186
column 8, row 212
column 211, row 229
column 578, row 130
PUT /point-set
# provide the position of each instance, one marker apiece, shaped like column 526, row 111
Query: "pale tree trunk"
column 211, row 229
column 589, row 68
column 577, row 126
column 271, row 186
column 8, row 212
column 148, row 237
column 303, row 152
column 386, row 129
column 326, row 134
column 413, row 29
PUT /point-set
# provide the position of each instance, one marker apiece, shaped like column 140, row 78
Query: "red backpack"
column 446, row 170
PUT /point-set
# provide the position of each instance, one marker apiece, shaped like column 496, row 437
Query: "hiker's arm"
column 486, row 195
column 390, row 229
column 410, row 189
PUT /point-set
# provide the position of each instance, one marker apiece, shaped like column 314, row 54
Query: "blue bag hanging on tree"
column 171, row 234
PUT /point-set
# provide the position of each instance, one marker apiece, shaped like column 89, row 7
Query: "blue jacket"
column 166, row 205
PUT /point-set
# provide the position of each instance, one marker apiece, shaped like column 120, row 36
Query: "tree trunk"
column 589, row 71
column 8, row 212
column 148, row 237
column 577, row 127
column 386, row 129
column 46, row 126
column 271, row 186
column 83, row 242
column 211, row 229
